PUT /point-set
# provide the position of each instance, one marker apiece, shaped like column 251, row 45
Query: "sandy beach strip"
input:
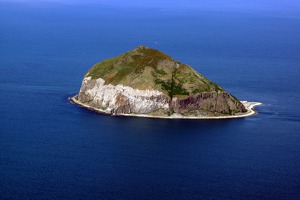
column 248, row 105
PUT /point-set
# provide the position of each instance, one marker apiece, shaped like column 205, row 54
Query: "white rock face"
column 121, row 99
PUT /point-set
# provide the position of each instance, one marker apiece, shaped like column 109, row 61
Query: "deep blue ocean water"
column 51, row 149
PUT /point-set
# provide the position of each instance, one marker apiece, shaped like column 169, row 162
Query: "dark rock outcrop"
column 210, row 101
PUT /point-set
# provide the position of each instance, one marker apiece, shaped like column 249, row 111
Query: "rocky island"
column 145, row 82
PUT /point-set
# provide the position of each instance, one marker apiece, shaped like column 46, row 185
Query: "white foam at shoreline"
column 248, row 105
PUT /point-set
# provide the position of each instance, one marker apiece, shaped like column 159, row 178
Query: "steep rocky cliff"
column 147, row 81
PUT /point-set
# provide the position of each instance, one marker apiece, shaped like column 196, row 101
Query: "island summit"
column 145, row 82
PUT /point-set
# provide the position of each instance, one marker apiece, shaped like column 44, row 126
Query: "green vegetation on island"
column 146, row 68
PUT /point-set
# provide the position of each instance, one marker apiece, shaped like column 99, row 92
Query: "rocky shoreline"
column 248, row 105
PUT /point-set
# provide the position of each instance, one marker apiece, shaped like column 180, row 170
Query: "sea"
column 52, row 149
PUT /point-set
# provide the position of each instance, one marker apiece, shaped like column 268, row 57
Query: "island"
column 145, row 82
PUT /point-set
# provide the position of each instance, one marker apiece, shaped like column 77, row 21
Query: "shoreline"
column 248, row 105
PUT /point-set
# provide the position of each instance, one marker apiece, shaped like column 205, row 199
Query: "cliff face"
column 146, row 81
column 209, row 102
column 121, row 99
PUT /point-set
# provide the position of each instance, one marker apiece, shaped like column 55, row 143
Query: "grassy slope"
column 146, row 68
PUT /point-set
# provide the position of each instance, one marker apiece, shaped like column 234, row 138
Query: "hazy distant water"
column 51, row 149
